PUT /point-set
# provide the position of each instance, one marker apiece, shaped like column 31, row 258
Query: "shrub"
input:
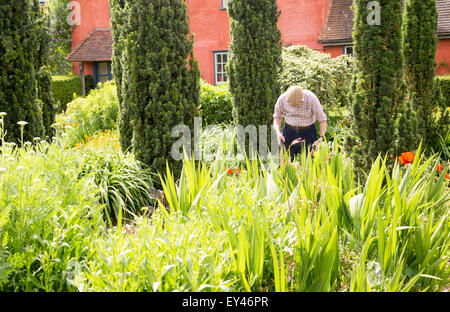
column 329, row 78
column 444, row 83
column 122, row 182
column 215, row 104
column 85, row 117
column 47, row 217
column 64, row 87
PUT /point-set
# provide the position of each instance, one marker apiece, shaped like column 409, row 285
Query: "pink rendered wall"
column 334, row 51
column 300, row 22
column 443, row 57
column 94, row 14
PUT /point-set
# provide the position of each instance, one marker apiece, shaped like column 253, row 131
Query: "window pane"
column 219, row 78
column 219, row 58
column 225, row 78
column 103, row 68
column 225, row 58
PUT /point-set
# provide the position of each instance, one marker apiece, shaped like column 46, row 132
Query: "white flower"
column 64, row 135
column 22, row 123
column 2, row 170
column 31, row 152
column 3, row 114
column 20, row 168
column 27, row 143
column 36, row 139
column 68, row 127
column 11, row 159
column 56, row 124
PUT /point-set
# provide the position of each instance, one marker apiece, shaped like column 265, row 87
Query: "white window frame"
column 346, row 47
column 223, row 64
column 224, row 4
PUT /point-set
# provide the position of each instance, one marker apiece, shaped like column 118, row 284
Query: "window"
column 348, row 50
column 220, row 61
column 224, row 4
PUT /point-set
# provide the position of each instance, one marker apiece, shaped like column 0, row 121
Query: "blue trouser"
column 308, row 134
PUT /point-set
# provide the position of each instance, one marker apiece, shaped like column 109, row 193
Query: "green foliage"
column 160, row 86
column 444, row 83
column 378, row 96
column 215, row 104
column 20, row 43
column 49, row 106
column 329, row 78
column 65, row 87
column 60, row 44
column 118, row 23
column 87, row 116
column 122, row 183
column 420, row 46
column 47, row 218
column 255, row 60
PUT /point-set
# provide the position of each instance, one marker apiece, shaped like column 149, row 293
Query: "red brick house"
column 323, row 25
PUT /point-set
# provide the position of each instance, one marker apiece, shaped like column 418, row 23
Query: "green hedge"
column 329, row 78
column 444, row 83
column 64, row 87
column 215, row 104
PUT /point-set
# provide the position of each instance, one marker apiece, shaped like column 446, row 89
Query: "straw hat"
column 294, row 96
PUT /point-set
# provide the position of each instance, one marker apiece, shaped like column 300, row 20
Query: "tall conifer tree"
column 420, row 46
column 161, row 80
column 255, row 60
column 379, row 87
column 118, row 24
column 18, row 84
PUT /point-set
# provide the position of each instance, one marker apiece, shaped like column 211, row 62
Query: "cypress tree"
column 420, row 46
column 379, row 86
column 255, row 60
column 161, row 87
column 43, row 76
column 118, row 23
column 18, row 86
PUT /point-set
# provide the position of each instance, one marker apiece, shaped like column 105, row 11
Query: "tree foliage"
column 255, row 60
column 22, row 55
column 420, row 46
column 160, row 85
column 379, row 87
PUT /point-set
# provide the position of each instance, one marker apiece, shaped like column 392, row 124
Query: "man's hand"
column 281, row 139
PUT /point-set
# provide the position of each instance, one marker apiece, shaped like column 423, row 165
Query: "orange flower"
column 230, row 171
column 447, row 176
column 237, row 171
column 439, row 168
column 406, row 158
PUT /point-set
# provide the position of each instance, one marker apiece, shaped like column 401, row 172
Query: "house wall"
column 300, row 22
column 94, row 14
column 334, row 51
column 443, row 57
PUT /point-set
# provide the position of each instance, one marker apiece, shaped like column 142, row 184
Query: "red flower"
column 230, row 171
column 237, row 171
column 406, row 158
column 439, row 168
column 447, row 176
